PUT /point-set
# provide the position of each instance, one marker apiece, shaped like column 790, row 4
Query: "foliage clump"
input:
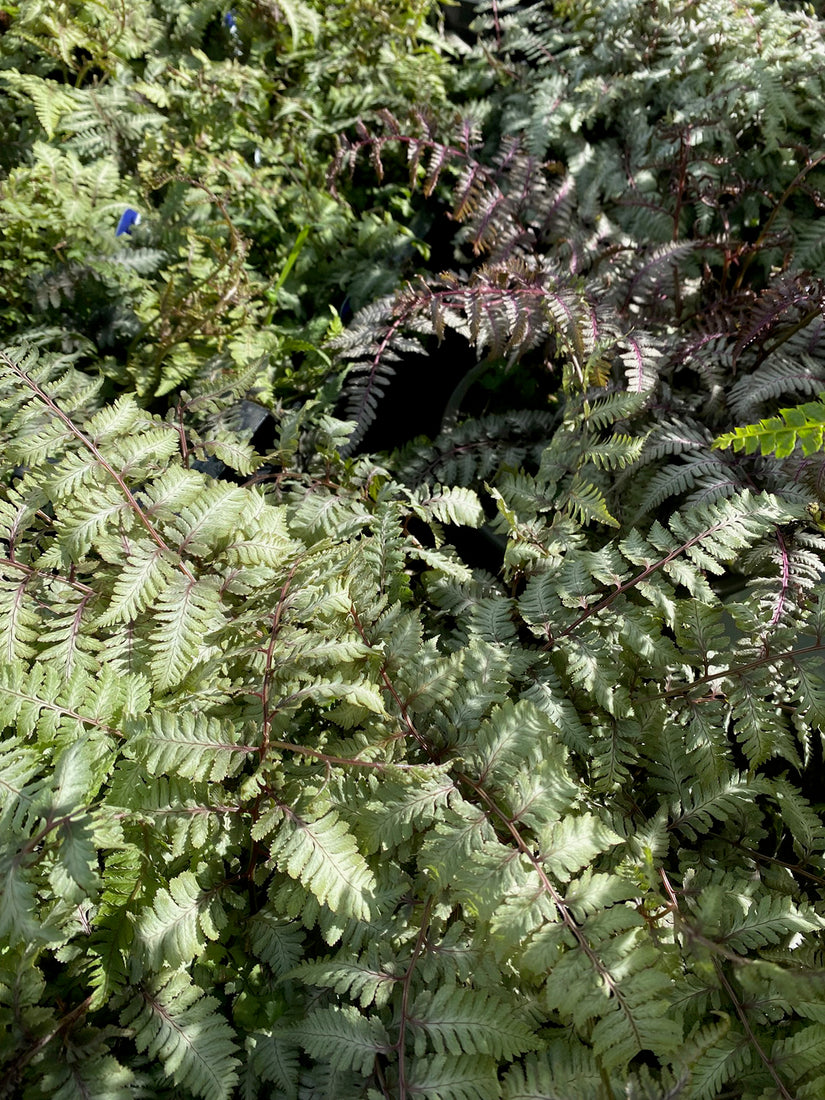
column 486, row 766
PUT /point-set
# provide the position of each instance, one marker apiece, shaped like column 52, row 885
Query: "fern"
column 779, row 435
column 297, row 796
column 458, row 1021
column 344, row 1038
column 455, row 1078
column 484, row 809
column 323, row 855
column 166, row 1019
column 179, row 923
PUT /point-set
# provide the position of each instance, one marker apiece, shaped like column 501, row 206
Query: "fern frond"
column 276, row 1059
column 275, row 941
column 779, row 375
column 562, row 1072
column 179, row 924
column 798, row 1055
column 451, row 505
column 616, row 453
column 186, row 611
column 176, row 1023
column 321, row 852
column 512, row 738
column 806, row 830
column 586, row 504
column 367, row 980
column 571, row 844
column 678, row 479
column 717, row 1054
column 189, row 745
column 785, row 300
column 343, row 1037
column 758, row 725
column 455, row 1077
column 146, row 572
column 404, row 807
column 766, row 921
column 472, row 452
column 39, row 700
column 724, row 800
column 647, row 274
column 95, row 1078
column 466, row 1021
column 779, row 435
column 628, row 1017
column 49, row 103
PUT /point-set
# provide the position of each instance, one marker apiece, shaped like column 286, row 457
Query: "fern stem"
column 388, row 684
column 12, row 1072
column 51, row 404
column 752, row 1039
column 405, row 998
column 786, row 579
column 266, row 687
column 786, row 194
column 340, row 761
column 638, row 579
column 556, row 898
column 33, row 572
column 738, row 670
column 52, row 823
column 496, row 24
column 803, row 322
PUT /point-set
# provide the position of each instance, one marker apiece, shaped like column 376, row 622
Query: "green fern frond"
column 586, row 504
column 186, row 612
column 455, row 1077
column 571, row 844
column 619, row 451
column 95, row 1078
column 515, row 736
column 402, row 807
column 145, row 573
column 806, row 831
column 343, row 1037
column 466, row 1021
column 49, row 103
column 189, row 745
column 717, row 1054
column 779, row 435
column 276, row 941
column 368, row 980
column 702, row 807
column 276, row 1059
column 176, row 1023
column 451, row 505
column 769, row 920
column 563, row 1072
column 181, row 921
column 39, row 700
column 322, row 854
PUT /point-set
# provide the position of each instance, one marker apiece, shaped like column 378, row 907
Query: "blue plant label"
column 128, row 220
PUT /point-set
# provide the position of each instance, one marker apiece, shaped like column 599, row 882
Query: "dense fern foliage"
column 485, row 763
